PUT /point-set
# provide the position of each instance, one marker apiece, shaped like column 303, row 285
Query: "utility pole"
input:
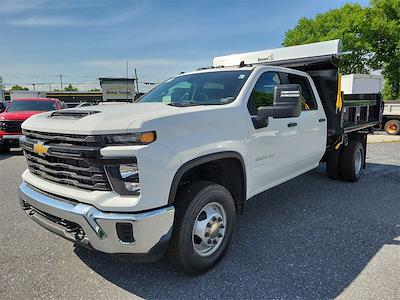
column 137, row 82
column 61, row 82
column 50, row 86
column 127, row 83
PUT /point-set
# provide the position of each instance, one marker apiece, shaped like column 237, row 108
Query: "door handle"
column 292, row 124
column 322, row 120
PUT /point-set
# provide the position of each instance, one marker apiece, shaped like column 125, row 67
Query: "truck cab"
column 170, row 174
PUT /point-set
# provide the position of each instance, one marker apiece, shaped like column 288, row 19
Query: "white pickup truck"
column 171, row 173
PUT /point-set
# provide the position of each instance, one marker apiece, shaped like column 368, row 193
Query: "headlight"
column 137, row 138
column 124, row 178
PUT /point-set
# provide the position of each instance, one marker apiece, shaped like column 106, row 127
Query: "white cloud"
column 150, row 69
column 43, row 21
column 15, row 6
column 113, row 63
column 69, row 21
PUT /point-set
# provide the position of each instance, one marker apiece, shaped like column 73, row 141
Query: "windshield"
column 210, row 88
column 31, row 106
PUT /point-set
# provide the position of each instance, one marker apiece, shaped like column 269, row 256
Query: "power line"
column 71, row 82
column 52, row 82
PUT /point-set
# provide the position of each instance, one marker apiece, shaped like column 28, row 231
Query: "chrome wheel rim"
column 209, row 229
column 358, row 161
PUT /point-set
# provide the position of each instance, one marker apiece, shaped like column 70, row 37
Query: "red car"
column 17, row 112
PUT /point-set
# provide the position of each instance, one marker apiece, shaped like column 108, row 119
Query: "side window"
column 263, row 92
column 308, row 99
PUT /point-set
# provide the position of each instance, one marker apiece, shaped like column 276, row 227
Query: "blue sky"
column 87, row 39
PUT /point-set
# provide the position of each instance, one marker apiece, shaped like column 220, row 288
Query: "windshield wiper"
column 184, row 104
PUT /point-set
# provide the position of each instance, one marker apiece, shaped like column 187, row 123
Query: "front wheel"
column 204, row 221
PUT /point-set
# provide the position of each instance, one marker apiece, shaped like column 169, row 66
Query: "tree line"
column 68, row 88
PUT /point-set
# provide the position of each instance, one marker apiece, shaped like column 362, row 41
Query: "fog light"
column 130, row 175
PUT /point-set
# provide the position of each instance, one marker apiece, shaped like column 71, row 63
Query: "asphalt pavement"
column 309, row 238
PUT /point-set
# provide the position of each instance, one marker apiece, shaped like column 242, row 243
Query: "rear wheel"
column 392, row 127
column 332, row 164
column 204, row 222
column 352, row 161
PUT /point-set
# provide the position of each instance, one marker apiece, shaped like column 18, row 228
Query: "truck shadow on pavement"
column 308, row 238
column 13, row 152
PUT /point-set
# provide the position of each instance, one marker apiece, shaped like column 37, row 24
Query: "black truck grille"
column 11, row 126
column 66, row 159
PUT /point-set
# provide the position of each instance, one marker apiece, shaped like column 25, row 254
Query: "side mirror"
column 287, row 104
column 2, row 107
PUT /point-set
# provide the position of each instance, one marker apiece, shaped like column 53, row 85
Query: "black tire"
column 333, row 164
column 4, row 149
column 392, row 127
column 188, row 205
column 348, row 163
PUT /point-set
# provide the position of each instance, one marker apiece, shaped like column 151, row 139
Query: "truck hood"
column 103, row 119
column 18, row 115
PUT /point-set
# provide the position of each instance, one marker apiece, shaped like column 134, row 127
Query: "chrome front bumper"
column 86, row 225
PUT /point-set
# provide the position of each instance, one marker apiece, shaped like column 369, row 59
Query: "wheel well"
column 228, row 172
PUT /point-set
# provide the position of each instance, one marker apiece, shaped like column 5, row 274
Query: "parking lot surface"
column 308, row 238
column 382, row 137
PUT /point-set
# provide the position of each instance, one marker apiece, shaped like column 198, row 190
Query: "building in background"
column 118, row 89
column 113, row 90
column 26, row 94
column 2, row 97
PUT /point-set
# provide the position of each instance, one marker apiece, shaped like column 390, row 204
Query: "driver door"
column 275, row 147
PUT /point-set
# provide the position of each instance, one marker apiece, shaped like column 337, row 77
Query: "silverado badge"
column 40, row 148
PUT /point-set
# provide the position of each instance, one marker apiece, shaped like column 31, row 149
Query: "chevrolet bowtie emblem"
column 40, row 148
